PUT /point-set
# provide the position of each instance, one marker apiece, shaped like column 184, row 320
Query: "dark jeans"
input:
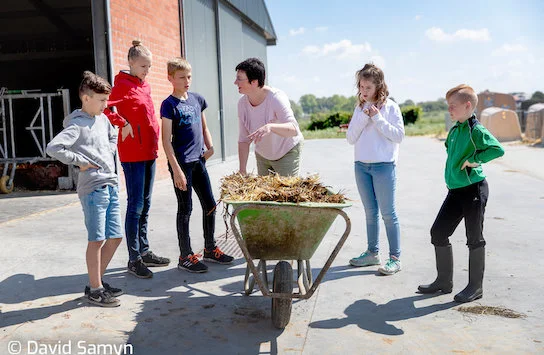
column 197, row 179
column 469, row 203
column 139, row 177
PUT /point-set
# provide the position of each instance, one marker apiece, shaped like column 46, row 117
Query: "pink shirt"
column 274, row 109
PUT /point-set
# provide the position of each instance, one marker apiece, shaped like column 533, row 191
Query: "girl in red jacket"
column 138, row 150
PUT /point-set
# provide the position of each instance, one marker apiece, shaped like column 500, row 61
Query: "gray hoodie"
column 86, row 139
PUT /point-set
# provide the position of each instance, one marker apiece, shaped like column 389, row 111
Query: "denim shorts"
column 102, row 213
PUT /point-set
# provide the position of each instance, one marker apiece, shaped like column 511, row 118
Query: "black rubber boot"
column 444, row 266
column 476, row 266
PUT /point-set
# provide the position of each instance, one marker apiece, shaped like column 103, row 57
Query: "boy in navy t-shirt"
column 185, row 134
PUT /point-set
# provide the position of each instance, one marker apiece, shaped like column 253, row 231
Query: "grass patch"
column 430, row 123
column 333, row 132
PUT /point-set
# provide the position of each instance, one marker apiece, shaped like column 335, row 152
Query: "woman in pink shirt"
column 265, row 118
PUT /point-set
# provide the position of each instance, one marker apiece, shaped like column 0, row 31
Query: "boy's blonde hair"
column 93, row 84
column 177, row 63
column 463, row 93
column 375, row 74
column 138, row 50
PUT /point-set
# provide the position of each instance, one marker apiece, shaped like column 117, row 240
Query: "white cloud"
column 438, row 35
column 311, row 50
column 507, row 48
column 296, row 32
column 321, row 29
column 418, row 17
column 341, row 49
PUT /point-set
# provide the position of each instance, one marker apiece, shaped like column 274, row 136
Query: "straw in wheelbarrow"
column 273, row 187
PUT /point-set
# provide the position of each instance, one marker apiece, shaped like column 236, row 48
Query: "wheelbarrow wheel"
column 4, row 188
column 282, row 283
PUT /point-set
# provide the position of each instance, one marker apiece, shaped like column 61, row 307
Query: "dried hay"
column 489, row 310
column 273, row 187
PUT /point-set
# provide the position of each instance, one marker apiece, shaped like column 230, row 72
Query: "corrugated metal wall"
column 256, row 10
column 238, row 41
column 201, row 52
column 231, row 45
column 254, row 45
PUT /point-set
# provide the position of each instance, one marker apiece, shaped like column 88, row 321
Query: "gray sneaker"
column 102, row 298
column 366, row 259
column 392, row 266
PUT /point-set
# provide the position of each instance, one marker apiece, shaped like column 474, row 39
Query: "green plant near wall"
column 410, row 114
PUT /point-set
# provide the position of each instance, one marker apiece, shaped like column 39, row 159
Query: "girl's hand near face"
column 372, row 111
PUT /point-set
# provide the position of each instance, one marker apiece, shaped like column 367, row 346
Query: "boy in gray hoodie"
column 89, row 142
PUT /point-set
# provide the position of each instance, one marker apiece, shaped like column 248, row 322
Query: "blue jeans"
column 376, row 183
column 139, row 177
column 197, row 178
column 102, row 213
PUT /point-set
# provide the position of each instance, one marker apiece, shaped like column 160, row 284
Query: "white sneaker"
column 392, row 266
column 366, row 259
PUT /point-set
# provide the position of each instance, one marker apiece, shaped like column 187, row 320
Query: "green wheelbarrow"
column 284, row 231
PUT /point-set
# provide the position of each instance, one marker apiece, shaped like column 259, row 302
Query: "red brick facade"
column 157, row 24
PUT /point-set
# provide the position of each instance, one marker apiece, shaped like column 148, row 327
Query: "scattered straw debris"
column 273, row 187
column 489, row 310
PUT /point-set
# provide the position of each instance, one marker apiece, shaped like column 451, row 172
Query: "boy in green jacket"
column 469, row 144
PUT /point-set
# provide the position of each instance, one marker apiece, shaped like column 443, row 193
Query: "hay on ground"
column 273, row 187
column 489, row 310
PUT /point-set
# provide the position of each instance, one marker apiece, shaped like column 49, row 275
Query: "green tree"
column 407, row 103
column 308, row 103
column 297, row 110
column 438, row 105
column 349, row 104
column 538, row 96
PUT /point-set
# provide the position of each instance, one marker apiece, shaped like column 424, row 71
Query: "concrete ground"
column 354, row 310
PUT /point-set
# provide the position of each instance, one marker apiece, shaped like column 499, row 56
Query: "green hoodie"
column 473, row 142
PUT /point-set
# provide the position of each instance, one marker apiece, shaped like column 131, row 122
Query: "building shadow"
column 375, row 318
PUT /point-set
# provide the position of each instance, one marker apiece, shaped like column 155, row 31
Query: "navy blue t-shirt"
column 187, row 137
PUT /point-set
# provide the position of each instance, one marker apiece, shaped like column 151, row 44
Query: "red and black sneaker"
column 217, row 256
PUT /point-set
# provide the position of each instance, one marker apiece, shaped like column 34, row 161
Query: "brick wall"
column 157, row 24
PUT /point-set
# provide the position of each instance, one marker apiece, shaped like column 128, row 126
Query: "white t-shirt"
column 275, row 108
column 376, row 138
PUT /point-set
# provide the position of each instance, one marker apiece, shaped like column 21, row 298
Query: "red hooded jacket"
column 132, row 98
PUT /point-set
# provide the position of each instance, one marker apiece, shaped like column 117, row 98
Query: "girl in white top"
column 265, row 118
column 376, row 129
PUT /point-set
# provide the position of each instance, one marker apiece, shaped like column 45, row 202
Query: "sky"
column 424, row 47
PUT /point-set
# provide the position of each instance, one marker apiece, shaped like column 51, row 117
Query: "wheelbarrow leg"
column 249, row 282
column 302, row 279
column 264, row 273
column 309, row 273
